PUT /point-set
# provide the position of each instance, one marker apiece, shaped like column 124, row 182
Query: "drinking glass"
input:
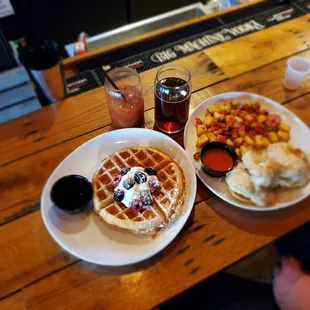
column 172, row 98
column 130, row 113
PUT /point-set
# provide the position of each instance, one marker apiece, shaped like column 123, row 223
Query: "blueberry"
column 146, row 198
column 150, row 171
column 140, row 177
column 124, row 171
column 119, row 195
column 128, row 183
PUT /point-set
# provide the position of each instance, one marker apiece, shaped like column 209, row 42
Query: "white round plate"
column 85, row 235
column 300, row 137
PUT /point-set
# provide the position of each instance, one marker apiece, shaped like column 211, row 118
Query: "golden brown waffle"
column 167, row 201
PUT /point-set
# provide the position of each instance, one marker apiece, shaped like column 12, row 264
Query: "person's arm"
column 291, row 286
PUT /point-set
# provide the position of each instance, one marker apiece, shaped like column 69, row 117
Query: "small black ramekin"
column 221, row 146
column 72, row 193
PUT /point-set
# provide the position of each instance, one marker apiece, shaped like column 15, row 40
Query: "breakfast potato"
column 234, row 135
column 244, row 149
column 228, row 117
column 253, row 125
column 213, row 108
column 248, row 140
column 235, row 102
column 249, row 118
column 218, row 132
column 211, row 136
column 242, row 124
column 227, row 106
column 208, row 119
column 259, row 142
column 261, row 118
column 242, row 133
column 284, row 127
column 202, row 140
column 283, row 136
column 238, row 119
column 219, row 116
column 201, row 129
column 266, row 142
column 230, row 142
column 238, row 141
column 273, row 137
column 238, row 152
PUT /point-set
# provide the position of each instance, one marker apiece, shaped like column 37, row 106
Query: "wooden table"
column 35, row 273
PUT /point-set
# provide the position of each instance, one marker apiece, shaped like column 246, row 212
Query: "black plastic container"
column 221, row 146
column 72, row 193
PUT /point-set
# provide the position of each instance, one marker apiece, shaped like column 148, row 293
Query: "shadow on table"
column 261, row 223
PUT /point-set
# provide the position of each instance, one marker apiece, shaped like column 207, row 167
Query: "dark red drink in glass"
column 172, row 98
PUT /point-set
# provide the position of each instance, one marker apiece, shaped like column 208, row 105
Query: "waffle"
column 168, row 201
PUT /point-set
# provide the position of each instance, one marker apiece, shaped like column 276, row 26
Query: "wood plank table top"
column 35, row 273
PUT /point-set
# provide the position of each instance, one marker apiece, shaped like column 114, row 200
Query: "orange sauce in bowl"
column 217, row 159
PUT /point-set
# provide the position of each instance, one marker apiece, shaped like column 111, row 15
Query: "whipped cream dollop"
column 134, row 187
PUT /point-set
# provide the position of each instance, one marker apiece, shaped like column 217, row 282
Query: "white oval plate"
column 300, row 137
column 85, row 235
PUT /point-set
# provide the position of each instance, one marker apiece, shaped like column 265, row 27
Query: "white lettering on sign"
column 164, row 55
column 206, row 40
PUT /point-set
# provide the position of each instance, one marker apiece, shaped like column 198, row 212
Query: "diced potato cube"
column 213, row 108
column 266, row 142
column 227, row 106
column 242, row 114
column 211, row 136
column 283, row 136
column 238, row 141
column 230, row 142
column 242, row 133
column 201, row 129
column 249, row 118
column 284, row 127
column 244, row 149
column 234, row 112
column 262, row 110
column 238, row 119
column 228, row 117
column 235, row 102
column 218, row 132
column 238, row 152
column 261, row 118
column 259, row 143
column 273, row 137
column 234, row 135
column 208, row 119
column 248, row 140
column 253, row 125
column 202, row 140
column 219, row 116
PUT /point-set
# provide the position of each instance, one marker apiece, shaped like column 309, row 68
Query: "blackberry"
column 150, row 171
column 128, row 183
column 140, row 177
column 146, row 198
column 124, row 171
column 119, row 195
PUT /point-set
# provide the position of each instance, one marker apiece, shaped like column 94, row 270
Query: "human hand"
column 291, row 286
